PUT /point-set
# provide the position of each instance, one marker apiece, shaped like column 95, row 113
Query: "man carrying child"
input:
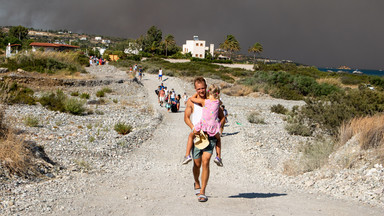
column 201, row 157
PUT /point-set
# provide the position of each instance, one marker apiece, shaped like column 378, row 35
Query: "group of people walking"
column 93, row 60
column 137, row 69
column 169, row 98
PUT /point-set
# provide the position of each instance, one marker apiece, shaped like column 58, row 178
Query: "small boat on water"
column 357, row 72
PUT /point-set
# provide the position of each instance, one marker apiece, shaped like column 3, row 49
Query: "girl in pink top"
column 209, row 121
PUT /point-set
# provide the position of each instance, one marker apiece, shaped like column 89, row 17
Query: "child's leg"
column 189, row 143
column 218, row 145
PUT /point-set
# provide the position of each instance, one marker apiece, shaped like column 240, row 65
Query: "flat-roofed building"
column 196, row 47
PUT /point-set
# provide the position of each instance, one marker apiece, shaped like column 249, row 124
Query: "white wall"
column 195, row 47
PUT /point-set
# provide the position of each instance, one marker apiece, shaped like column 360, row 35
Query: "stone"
column 3, row 70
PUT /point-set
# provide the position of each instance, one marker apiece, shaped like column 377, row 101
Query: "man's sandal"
column 202, row 198
column 197, row 190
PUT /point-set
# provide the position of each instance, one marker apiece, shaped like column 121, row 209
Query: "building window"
column 201, row 55
column 201, row 44
column 197, row 44
column 197, row 55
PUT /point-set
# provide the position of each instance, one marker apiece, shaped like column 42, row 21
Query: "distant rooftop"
column 52, row 45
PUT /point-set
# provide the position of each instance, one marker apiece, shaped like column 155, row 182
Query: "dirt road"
column 152, row 180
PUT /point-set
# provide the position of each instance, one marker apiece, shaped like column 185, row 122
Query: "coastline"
column 369, row 72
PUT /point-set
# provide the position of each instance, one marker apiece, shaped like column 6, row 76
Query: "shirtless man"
column 161, row 97
column 201, row 157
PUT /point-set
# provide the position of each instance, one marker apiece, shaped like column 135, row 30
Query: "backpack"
column 173, row 108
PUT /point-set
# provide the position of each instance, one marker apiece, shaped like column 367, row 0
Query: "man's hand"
column 196, row 132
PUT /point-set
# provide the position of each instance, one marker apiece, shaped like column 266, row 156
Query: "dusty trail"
column 154, row 182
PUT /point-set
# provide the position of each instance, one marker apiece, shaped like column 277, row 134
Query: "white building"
column 8, row 50
column 97, row 38
column 133, row 48
column 196, row 47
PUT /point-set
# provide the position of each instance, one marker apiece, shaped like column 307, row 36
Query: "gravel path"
column 141, row 173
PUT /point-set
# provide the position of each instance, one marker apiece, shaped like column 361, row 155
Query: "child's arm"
column 194, row 99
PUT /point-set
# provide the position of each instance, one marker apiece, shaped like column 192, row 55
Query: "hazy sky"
column 315, row 32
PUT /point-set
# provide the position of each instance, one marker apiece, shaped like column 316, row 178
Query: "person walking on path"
column 185, row 98
column 161, row 96
column 140, row 73
column 208, row 123
column 201, row 156
column 160, row 75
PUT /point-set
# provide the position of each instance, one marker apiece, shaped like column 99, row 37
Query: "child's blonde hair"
column 214, row 91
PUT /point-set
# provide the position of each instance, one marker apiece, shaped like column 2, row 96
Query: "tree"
column 152, row 40
column 256, row 48
column 168, row 41
column 230, row 45
column 19, row 32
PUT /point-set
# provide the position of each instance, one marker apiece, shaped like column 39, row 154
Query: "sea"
column 364, row 71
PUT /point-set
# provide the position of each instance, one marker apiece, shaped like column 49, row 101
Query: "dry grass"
column 65, row 57
column 331, row 81
column 14, row 156
column 336, row 82
column 237, row 90
column 130, row 103
column 291, row 168
column 370, row 131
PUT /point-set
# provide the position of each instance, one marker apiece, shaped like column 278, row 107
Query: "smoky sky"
column 324, row 33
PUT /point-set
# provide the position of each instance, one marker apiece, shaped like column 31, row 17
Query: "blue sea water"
column 366, row 72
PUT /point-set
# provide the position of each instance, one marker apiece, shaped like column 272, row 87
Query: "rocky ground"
column 99, row 172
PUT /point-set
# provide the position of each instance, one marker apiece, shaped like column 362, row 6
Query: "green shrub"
column 74, row 106
column 330, row 112
column 75, row 94
column 298, row 129
column 107, row 90
column 254, row 118
column 115, row 100
column 99, row 112
column 31, row 121
column 54, row 101
column 280, row 109
column 122, row 128
column 47, row 62
column 285, row 93
column 100, row 93
column 351, row 80
column 91, row 139
column 134, row 57
column 84, row 96
column 12, row 93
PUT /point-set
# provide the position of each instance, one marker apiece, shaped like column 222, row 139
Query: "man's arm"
column 187, row 114
column 222, row 118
